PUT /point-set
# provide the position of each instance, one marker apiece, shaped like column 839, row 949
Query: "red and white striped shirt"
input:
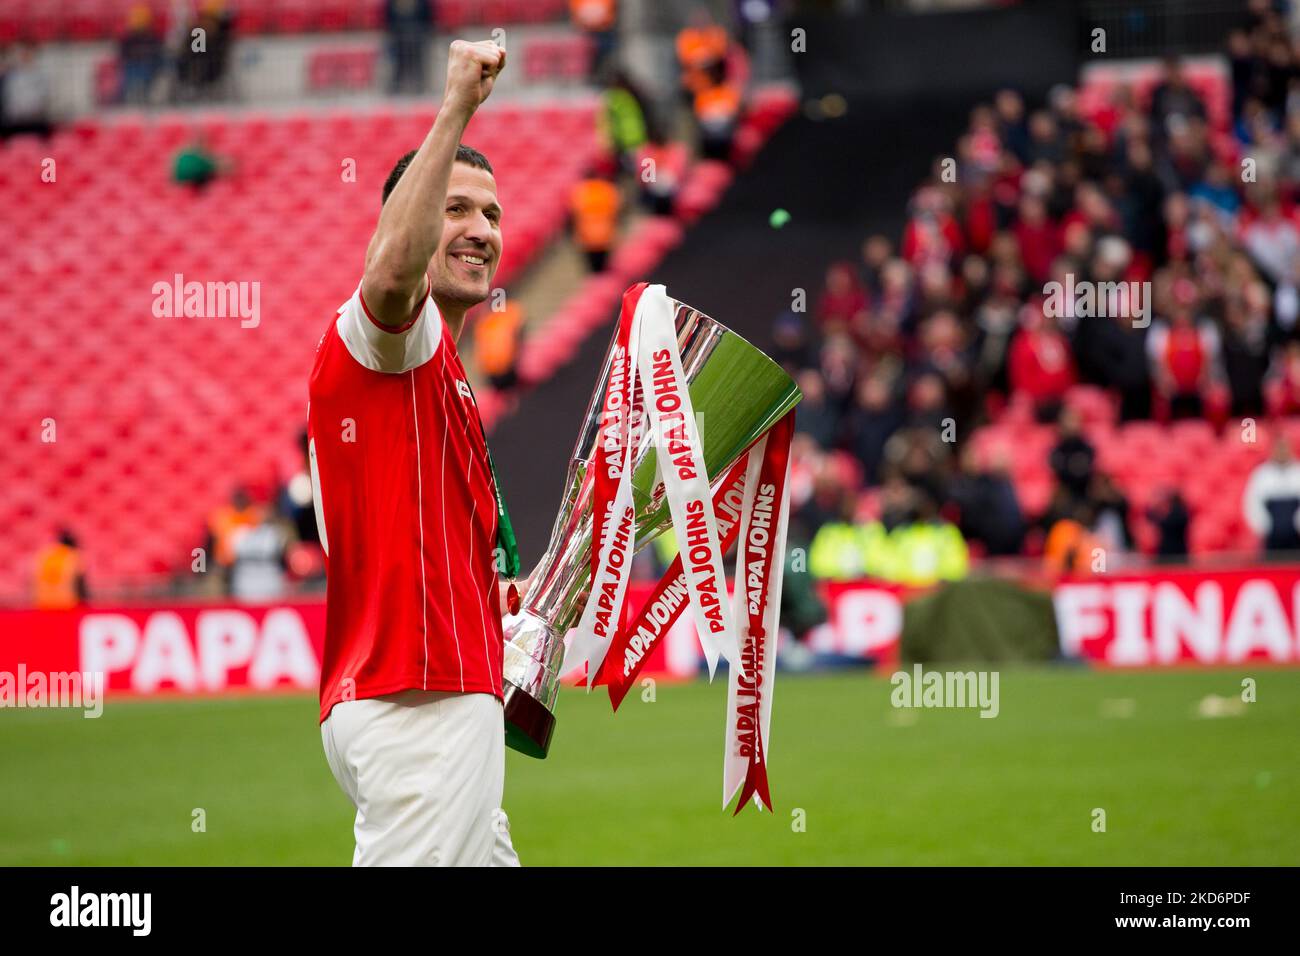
column 406, row 505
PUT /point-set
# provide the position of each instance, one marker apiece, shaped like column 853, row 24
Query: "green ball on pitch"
column 778, row 218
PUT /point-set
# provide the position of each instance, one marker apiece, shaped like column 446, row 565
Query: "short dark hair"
column 464, row 154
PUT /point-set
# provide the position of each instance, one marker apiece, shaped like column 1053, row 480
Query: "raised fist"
column 472, row 68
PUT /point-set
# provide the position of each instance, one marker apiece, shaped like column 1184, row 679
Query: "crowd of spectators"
column 908, row 349
column 648, row 147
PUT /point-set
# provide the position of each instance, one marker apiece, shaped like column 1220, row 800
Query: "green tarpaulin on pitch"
column 979, row 620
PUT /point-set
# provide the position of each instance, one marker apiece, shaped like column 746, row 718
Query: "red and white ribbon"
column 634, row 644
column 680, row 454
column 613, row 510
column 760, row 568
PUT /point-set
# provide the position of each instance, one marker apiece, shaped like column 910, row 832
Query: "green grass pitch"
column 871, row 784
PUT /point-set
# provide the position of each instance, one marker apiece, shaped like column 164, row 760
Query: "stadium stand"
column 1181, row 176
column 151, row 430
column 129, row 454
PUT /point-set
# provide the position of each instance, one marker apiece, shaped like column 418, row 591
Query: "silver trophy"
column 737, row 393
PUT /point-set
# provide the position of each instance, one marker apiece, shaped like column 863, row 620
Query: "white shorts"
column 425, row 770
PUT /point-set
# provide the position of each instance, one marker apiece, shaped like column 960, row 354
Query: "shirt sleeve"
column 386, row 349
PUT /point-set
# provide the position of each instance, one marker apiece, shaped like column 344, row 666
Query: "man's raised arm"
column 410, row 224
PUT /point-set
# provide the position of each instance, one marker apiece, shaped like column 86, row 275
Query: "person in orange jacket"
column 1071, row 547
column 60, row 581
column 595, row 206
column 702, row 53
column 496, row 344
column 717, row 111
column 225, row 524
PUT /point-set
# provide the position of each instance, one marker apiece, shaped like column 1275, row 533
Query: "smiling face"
column 470, row 250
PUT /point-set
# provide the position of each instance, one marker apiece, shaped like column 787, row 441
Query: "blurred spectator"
column 1245, row 70
column 297, row 494
column 842, row 297
column 204, row 59
column 1185, row 359
column 1071, row 547
column 1010, row 109
column 598, row 19
column 791, row 348
column 1173, row 100
column 196, row 165
column 944, row 356
column 1283, row 387
column 258, row 569
column 141, row 56
column 996, row 326
column 847, row 550
column 1046, row 142
column 701, row 52
column 1271, row 501
column 838, row 359
column 897, row 500
column 26, row 94
column 1247, row 341
column 496, row 344
column 1073, row 457
column 927, row 404
column 919, row 457
column 1216, row 189
column 1289, row 162
column 59, row 580
column 877, row 250
column 1110, row 515
column 1038, row 237
column 1142, row 201
column 225, row 525
column 814, row 416
column 1273, row 240
column 717, row 113
column 624, row 119
column 660, row 168
column 986, row 501
column 829, row 499
column 409, row 24
column 1171, row 518
column 926, row 549
column 1040, row 365
column 931, row 234
column 1112, row 353
column 595, row 205
column 875, row 415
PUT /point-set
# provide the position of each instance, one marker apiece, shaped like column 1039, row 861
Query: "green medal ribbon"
column 506, row 542
column 505, row 531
